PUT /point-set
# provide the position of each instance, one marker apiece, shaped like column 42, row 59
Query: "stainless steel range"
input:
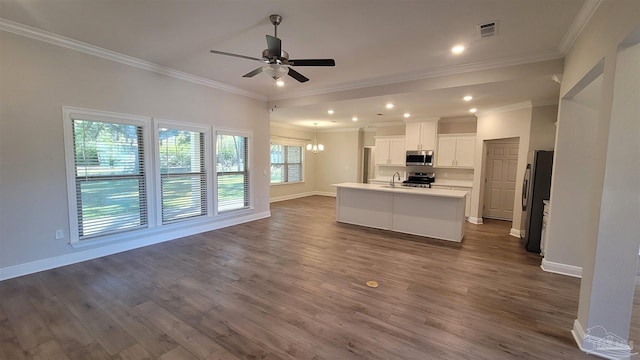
column 419, row 179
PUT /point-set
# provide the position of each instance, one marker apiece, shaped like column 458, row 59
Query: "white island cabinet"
column 434, row 213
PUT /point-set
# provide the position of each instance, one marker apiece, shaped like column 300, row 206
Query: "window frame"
column 248, row 164
column 286, row 144
column 183, row 126
column 71, row 113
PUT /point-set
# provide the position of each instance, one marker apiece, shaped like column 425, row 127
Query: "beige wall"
column 543, row 127
column 606, row 257
column 500, row 125
column 390, row 130
column 37, row 80
column 290, row 191
column 340, row 160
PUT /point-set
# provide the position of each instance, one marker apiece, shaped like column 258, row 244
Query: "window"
column 183, row 175
column 286, row 163
column 232, row 169
column 108, row 184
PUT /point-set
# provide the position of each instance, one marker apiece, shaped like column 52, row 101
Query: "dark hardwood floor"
column 293, row 287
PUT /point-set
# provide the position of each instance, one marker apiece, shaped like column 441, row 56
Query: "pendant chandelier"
column 314, row 146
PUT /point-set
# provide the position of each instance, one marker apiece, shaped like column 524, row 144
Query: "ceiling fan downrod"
column 275, row 20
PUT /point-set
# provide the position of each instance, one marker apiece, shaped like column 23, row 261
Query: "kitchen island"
column 435, row 213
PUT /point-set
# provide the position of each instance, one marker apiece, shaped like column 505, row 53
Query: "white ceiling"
column 372, row 42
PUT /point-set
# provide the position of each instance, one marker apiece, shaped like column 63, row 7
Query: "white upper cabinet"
column 456, row 151
column 421, row 136
column 390, row 150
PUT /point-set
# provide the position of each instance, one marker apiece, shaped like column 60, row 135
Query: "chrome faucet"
column 393, row 179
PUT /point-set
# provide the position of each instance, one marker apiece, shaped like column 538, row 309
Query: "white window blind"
column 232, row 169
column 110, row 185
column 286, row 163
column 183, row 178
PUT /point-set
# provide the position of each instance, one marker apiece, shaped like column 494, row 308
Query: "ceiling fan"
column 276, row 60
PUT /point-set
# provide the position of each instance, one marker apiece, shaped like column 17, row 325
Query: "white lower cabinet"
column 467, row 207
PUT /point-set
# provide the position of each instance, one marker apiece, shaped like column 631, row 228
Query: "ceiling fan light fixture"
column 275, row 71
column 280, row 83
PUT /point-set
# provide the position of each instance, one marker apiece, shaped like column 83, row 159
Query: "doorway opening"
column 368, row 164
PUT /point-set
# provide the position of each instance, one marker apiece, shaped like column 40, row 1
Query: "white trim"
column 54, row 39
column 325, row 193
column 334, row 130
column 209, row 166
column 301, row 195
column 562, row 269
column 475, row 220
column 515, row 232
column 582, row 338
column 513, row 107
column 432, row 73
column 68, row 114
column 94, row 253
column 292, row 196
column 586, row 12
column 578, row 333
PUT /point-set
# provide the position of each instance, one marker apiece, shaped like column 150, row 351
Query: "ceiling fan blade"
column 296, row 75
column 234, row 55
column 313, row 62
column 253, row 73
column 275, row 46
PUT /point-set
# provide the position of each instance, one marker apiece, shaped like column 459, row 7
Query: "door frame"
column 513, row 232
column 509, row 141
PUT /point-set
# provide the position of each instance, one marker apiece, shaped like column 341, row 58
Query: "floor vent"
column 488, row 29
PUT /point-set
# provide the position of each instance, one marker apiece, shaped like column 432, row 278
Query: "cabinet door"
column 446, row 154
column 397, row 152
column 465, row 150
column 412, row 136
column 382, row 151
column 428, row 135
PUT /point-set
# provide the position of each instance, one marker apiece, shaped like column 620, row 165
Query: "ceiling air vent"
column 488, row 29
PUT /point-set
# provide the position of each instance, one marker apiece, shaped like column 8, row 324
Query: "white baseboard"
column 515, row 232
column 292, row 196
column 600, row 342
column 562, row 269
column 301, row 195
column 475, row 220
column 325, row 193
column 113, row 248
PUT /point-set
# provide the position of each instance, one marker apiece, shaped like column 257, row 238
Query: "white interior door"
column 500, row 188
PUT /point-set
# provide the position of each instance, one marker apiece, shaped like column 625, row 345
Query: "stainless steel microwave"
column 419, row 158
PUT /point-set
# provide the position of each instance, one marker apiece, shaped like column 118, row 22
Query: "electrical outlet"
column 59, row 234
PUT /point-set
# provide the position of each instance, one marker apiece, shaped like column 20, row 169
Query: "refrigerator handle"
column 525, row 187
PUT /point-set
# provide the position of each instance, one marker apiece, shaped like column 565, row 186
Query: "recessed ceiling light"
column 389, row 106
column 458, row 49
column 355, row 118
column 467, row 98
column 280, row 83
column 473, row 110
column 330, row 112
column 406, row 115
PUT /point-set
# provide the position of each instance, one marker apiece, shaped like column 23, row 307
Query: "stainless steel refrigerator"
column 536, row 187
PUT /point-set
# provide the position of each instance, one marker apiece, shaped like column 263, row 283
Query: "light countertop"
column 404, row 190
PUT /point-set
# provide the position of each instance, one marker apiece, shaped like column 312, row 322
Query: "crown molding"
column 387, row 124
column 289, row 126
column 586, row 12
column 513, row 107
column 432, row 73
column 54, row 39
